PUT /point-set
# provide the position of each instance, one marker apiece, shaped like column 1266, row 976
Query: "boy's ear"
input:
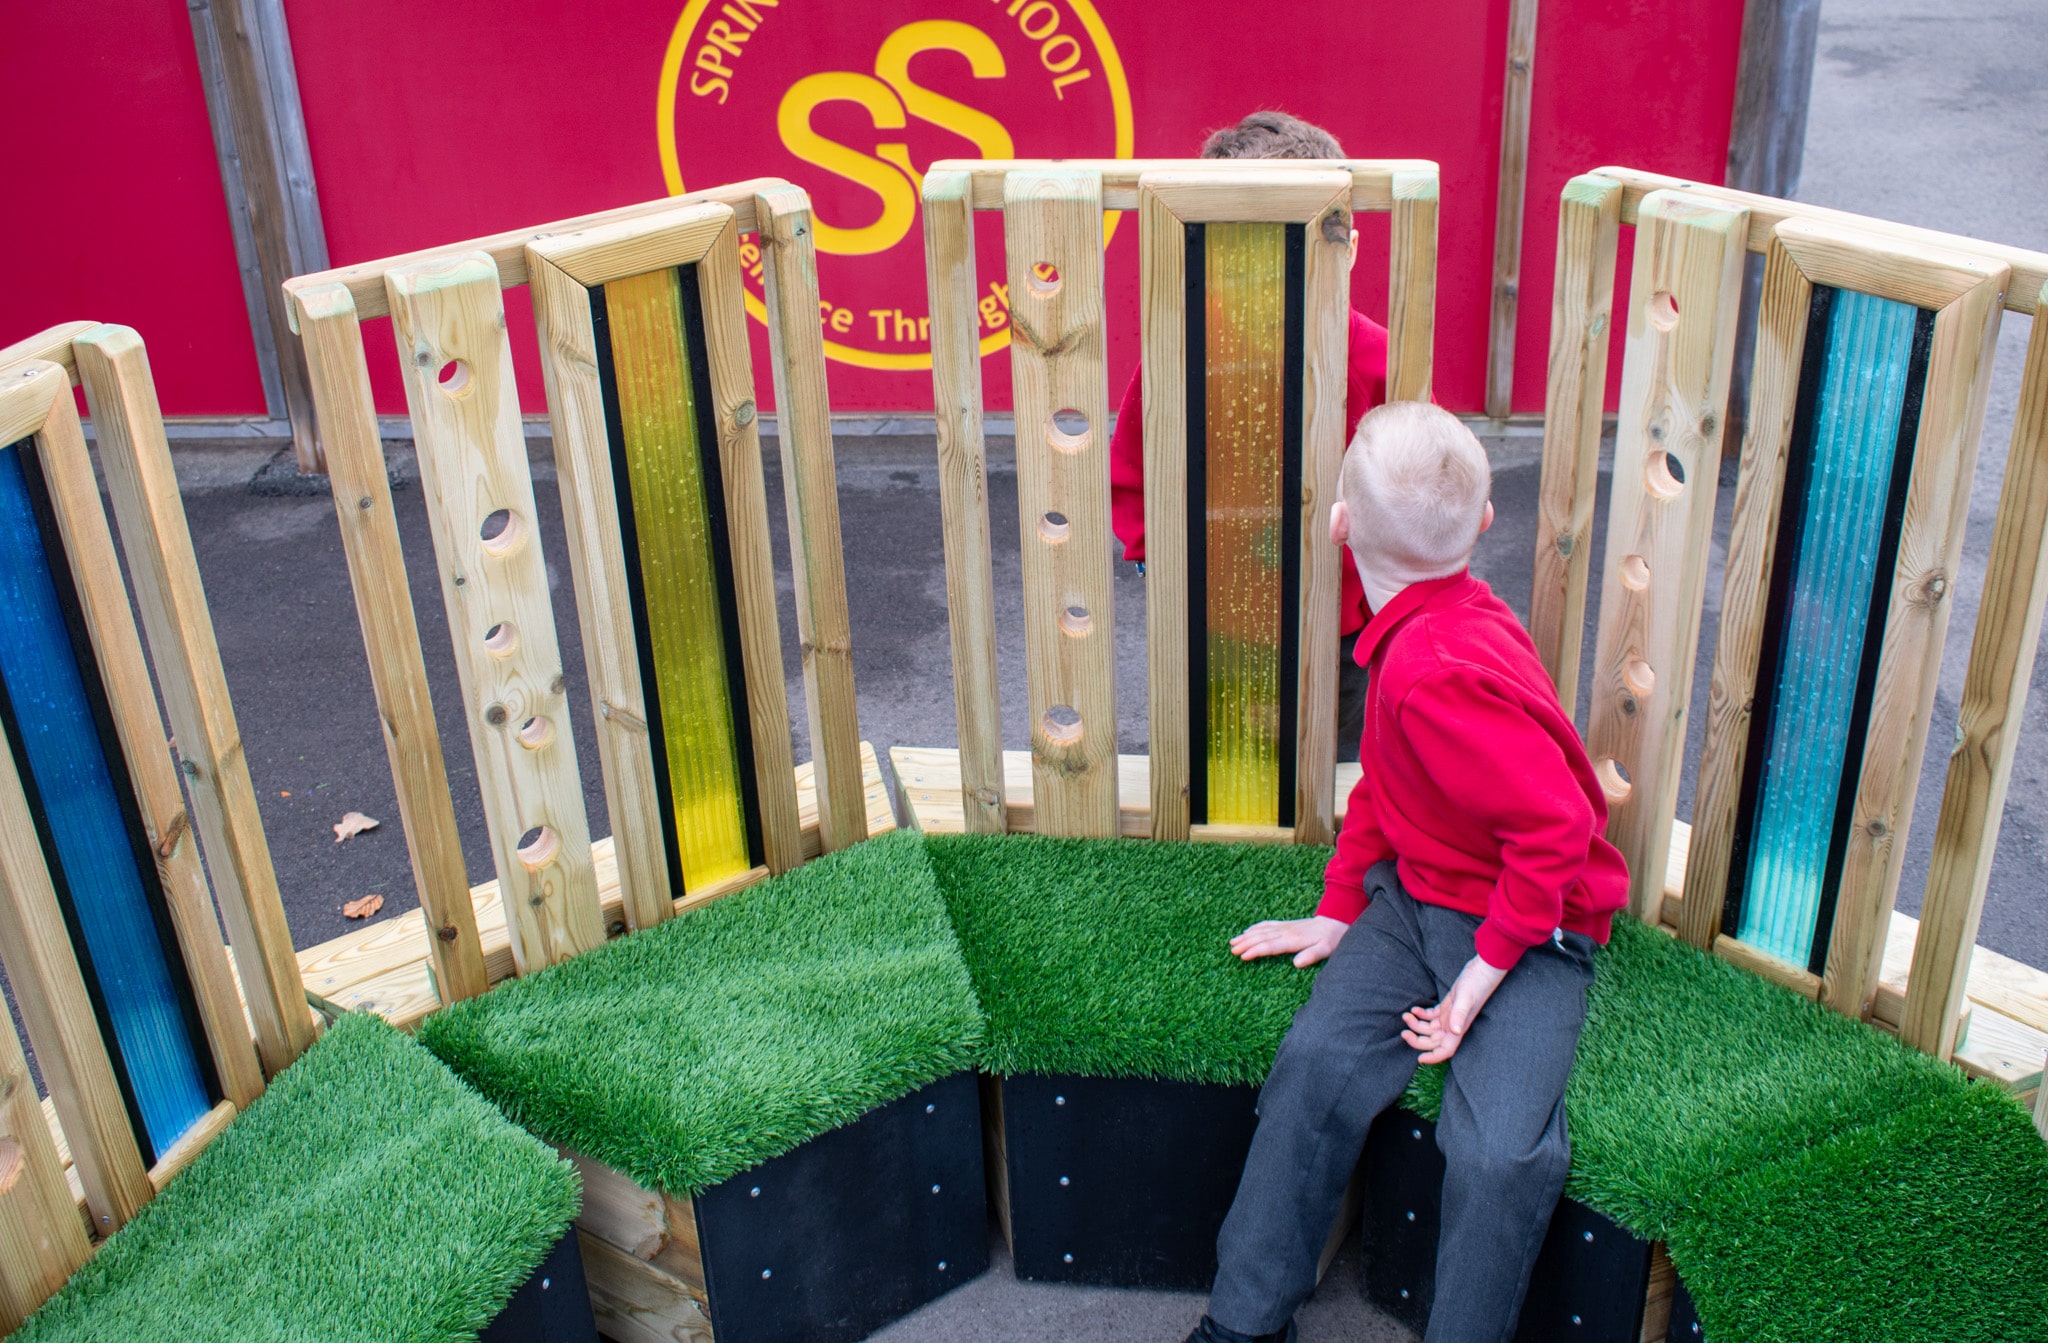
column 1340, row 522
column 1485, row 519
column 1352, row 262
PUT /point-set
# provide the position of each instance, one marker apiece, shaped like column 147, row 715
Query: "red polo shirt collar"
column 1406, row 603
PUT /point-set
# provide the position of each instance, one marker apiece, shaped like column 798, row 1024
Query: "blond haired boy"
column 1458, row 917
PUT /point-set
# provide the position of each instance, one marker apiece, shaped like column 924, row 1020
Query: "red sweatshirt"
column 1475, row 781
column 1365, row 388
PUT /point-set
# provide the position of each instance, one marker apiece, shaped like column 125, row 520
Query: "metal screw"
column 544, row 1284
column 1589, row 1235
column 942, row 1266
column 460, row 580
column 1404, row 1293
column 767, row 1272
column 1576, row 1320
column 1415, row 1134
column 1064, row 1182
column 1059, row 1100
column 931, row 1109
column 1411, row 1216
column 755, row 1192
column 1068, row 1258
column 935, row 1189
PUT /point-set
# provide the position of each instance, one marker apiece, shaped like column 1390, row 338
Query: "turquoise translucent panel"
column 1826, row 619
column 62, row 756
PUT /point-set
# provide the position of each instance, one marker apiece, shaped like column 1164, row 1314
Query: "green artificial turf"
column 687, row 1053
column 1111, row 958
column 367, row 1195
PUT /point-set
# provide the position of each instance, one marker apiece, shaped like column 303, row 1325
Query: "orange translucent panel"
column 678, row 573
column 1245, row 292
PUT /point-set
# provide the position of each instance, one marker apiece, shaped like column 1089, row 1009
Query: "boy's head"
column 1414, row 495
column 1271, row 135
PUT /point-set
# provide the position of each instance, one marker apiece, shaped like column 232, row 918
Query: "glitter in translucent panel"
column 685, row 630
column 1245, row 320
column 59, row 752
column 1826, row 619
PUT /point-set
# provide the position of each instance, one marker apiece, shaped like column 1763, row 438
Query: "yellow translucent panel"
column 678, row 574
column 1245, row 320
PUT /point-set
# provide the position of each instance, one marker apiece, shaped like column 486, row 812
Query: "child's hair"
column 1416, row 481
column 1272, row 135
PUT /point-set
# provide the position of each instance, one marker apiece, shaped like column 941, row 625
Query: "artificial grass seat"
column 367, row 1195
column 686, row 1053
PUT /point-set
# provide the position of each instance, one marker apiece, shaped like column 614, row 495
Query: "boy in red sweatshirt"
column 1266, row 135
column 1458, row 919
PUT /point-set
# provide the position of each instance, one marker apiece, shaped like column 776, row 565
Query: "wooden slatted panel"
column 1162, row 251
column 963, row 493
column 1053, row 218
column 1326, row 337
column 1375, row 183
column 1411, row 286
column 42, row 1239
column 52, row 344
column 1988, row 724
column 340, row 376
column 448, row 319
column 1575, row 400
column 810, row 492
column 1683, row 301
column 144, row 490
column 1510, row 199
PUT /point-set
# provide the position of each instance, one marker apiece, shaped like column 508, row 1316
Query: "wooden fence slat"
column 1988, row 725
column 1053, row 217
column 449, row 322
column 131, row 701
column 1162, row 255
column 340, row 378
column 1752, row 546
column 1375, row 183
column 810, row 492
column 1509, row 205
column 1575, row 400
column 42, row 1239
column 753, row 567
column 1325, row 368
column 1411, row 286
column 52, row 344
column 143, row 486
column 1683, row 303
column 963, row 493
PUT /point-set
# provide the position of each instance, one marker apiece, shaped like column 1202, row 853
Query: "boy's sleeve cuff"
column 1343, row 903
column 1495, row 947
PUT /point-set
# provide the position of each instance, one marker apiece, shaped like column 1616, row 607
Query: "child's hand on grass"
column 1314, row 938
column 1436, row 1032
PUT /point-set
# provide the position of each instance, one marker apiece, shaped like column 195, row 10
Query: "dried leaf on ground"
column 353, row 824
column 363, row 908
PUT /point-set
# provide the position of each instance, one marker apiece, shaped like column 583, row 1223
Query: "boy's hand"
column 1314, row 938
column 1438, row 1031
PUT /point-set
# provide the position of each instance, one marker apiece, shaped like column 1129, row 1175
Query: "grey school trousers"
column 1502, row 1130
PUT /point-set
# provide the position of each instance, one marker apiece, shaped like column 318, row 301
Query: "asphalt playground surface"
column 1924, row 113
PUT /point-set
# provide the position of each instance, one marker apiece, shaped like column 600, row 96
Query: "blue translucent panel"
column 1826, row 619
column 59, row 750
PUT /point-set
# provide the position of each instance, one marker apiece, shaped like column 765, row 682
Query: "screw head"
column 931, row 1109
column 1404, row 1293
column 545, row 1284
column 1064, row 1182
column 1068, row 1258
column 1589, row 1235
column 767, row 1272
column 1059, row 1100
column 942, row 1266
column 755, row 1192
column 1411, row 1216
column 1577, row 1320
column 935, row 1189
column 363, row 502
column 1415, row 1134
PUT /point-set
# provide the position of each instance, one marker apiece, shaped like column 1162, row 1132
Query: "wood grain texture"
column 1054, row 217
column 52, row 344
column 1683, row 302
column 635, row 1301
column 42, row 1238
column 753, row 568
column 1411, row 286
column 1745, row 590
column 1758, row 962
column 131, row 703
column 604, row 606
column 1575, row 400
column 1162, row 315
column 1326, row 337
column 810, row 493
column 26, row 390
column 1916, row 621
column 1375, row 183
column 186, row 1150
column 1518, row 76
column 1218, row 194
column 449, row 323
column 143, row 488
column 963, row 494
column 2001, row 668
column 621, row 247
column 340, row 376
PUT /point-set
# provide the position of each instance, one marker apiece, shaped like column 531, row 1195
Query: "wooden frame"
column 1929, row 1005
column 953, row 191
column 1510, row 203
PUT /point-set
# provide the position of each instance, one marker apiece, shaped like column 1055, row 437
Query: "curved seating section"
column 367, row 1195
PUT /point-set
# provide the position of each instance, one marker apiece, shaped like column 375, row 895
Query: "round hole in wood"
column 1068, row 430
column 538, row 847
column 1664, row 475
column 453, row 377
column 1060, row 725
column 10, row 1164
column 1614, row 780
column 535, row 733
column 1635, row 573
column 1054, row 527
column 501, row 638
column 501, row 533
column 1663, row 310
column 1044, row 280
column 1638, row 676
column 1075, row 621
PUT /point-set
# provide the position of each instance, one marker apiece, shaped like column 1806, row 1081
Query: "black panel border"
column 1292, row 403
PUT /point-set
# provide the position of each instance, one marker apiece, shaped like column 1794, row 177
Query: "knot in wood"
column 1877, row 829
column 1566, row 542
column 446, row 932
column 1708, row 424
column 743, row 415
column 495, row 715
column 556, row 686
column 1628, row 703
column 1937, row 587
column 985, row 796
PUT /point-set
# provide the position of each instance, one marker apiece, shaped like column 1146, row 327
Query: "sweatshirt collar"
column 1406, row 603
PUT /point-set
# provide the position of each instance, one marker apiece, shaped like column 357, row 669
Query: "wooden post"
column 1581, row 321
column 963, row 495
column 1988, row 725
column 1052, row 217
column 1411, row 286
column 42, row 1239
column 1683, row 300
column 810, row 491
column 1162, row 308
column 340, row 381
column 1509, row 203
